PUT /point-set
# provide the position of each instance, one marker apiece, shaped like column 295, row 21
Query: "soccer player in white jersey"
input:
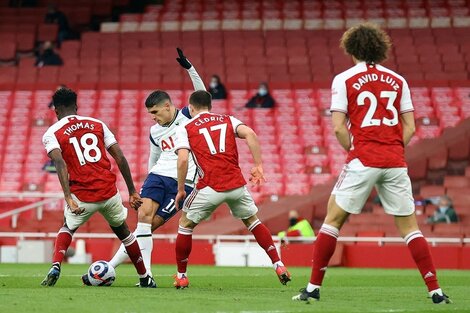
column 160, row 188
column 376, row 103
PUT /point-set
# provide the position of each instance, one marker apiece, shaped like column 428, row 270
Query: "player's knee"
column 157, row 221
column 186, row 223
column 145, row 215
column 249, row 221
column 121, row 231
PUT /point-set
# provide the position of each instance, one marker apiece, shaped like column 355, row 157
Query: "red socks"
column 133, row 250
column 264, row 239
column 184, row 241
column 323, row 250
column 419, row 249
column 62, row 243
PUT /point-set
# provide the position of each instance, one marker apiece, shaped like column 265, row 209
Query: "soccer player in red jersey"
column 78, row 145
column 375, row 103
column 210, row 138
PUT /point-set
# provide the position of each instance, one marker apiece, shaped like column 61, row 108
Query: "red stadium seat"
column 456, row 182
column 8, row 51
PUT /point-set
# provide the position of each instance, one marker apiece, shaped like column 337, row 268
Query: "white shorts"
column 200, row 204
column 393, row 186
column 112, row 210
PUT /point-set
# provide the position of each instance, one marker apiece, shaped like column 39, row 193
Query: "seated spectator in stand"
column 262, row 99
column 298, row 227
column 445, row 212
column 54, row 16
column 217, row 89
column 47, row 56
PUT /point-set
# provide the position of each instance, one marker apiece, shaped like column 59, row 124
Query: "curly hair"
column 366, row 42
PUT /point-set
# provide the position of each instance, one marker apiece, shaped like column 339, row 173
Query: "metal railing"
column 244, row 238
column 38, row 206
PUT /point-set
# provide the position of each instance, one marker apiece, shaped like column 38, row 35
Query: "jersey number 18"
column 83, row 149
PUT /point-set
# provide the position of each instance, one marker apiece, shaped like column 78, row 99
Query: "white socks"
column 120, row 257
column 180, row 275
column 143, row 233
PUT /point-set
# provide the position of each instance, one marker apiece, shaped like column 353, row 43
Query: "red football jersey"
column 211, row 139
column 83, row 142
column 373, row 97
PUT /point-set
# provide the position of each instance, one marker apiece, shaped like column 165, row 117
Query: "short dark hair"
column 157, row 97
column 201, row 99
column 64, row 97
column 366, row 42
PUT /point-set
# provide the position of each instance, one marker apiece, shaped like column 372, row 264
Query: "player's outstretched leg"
column 147, row 223
column 143, row 230
column 62, row 243
column 265, row 241
column 133, row 250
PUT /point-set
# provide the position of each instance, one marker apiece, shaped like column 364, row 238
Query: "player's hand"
column 135, row 201
column 179, row 199
column 73, row 207
column 257, row 176
column 182, row 60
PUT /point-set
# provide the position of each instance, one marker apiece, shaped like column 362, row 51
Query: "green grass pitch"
column 227, row 289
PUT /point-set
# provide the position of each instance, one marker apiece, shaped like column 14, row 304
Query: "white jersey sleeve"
column 50, row 141
column 235, row 123
column 339, row 98
column 154, row 155
column 182, row 141
column 196, row 79
column 406, row 105
column 109, row 138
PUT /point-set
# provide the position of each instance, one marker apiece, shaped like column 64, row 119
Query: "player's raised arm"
column 63, row 174
column 116, row 152
column 195, row 78
column 257, row 173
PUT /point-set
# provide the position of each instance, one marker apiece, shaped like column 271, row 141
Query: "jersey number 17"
column 210, row 143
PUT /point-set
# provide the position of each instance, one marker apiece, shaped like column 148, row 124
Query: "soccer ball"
column 101, row 273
